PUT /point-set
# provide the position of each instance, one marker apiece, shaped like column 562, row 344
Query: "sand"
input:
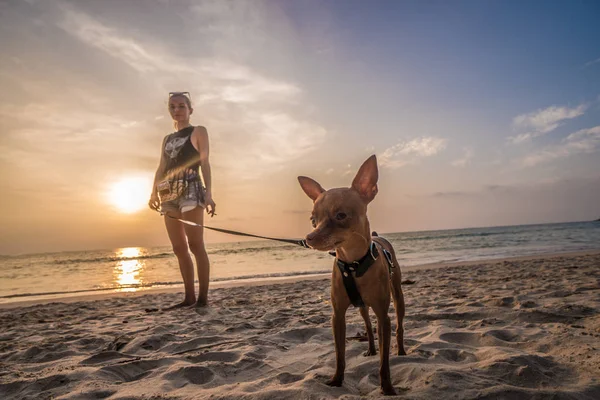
column 512, row 329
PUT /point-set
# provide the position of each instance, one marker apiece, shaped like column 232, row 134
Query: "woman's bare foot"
column 185, row 303
column 201, row 303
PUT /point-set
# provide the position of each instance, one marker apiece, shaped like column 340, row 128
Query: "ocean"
column 55, row 275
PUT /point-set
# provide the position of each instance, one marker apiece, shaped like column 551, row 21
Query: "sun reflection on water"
column 127, row 270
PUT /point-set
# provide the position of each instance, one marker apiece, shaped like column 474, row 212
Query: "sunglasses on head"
column 189, row 96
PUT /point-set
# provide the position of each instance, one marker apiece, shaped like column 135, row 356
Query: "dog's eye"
column 340, row 216
column 313, row 222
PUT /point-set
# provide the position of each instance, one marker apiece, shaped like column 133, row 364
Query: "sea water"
column 51, row 275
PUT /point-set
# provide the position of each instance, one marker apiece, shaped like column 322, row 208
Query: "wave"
column 224, row 252
column 110, row 259
column 452, row 236
column 163, row 284
column 493, row 231
column 247, row 250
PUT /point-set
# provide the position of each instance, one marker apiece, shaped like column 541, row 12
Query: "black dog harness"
column 357, row 269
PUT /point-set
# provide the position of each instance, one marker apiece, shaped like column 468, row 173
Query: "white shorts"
column 193, row 197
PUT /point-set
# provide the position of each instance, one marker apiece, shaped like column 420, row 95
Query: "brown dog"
column 340, row 223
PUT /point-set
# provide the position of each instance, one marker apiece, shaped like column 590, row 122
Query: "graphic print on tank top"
column 174, row 146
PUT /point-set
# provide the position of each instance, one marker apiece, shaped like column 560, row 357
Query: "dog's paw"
column 401, row 352
column 370, row 352
column 335, row 381
column 388, row 390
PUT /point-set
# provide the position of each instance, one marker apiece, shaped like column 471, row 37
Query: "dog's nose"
column 311, row 236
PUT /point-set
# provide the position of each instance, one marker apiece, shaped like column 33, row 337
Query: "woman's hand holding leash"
column 210, row 204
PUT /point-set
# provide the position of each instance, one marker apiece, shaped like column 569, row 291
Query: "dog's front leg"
column 384, row 333
column 364, row 312
column 338, row 322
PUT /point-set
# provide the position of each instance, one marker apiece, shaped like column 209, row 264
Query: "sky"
column 481, row 113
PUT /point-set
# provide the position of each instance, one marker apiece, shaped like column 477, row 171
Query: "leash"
column 297, row 242
column 347, row 269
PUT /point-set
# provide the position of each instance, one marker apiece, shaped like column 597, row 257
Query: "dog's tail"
column 374, row 234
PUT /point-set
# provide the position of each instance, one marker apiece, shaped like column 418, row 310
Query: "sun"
column 130, row 194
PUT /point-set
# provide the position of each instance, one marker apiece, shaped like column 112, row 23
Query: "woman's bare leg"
column 195, row 235
column 186, row 266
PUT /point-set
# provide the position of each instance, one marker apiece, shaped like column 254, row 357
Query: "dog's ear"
column 365, row 181
column 310, row 187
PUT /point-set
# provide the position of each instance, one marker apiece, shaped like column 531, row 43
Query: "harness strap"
column 388, row 257
column 356, row 269
column 352, row 290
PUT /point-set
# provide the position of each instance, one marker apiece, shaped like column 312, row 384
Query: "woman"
column 178, row 192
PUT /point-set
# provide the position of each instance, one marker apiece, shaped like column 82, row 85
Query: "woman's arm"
column 202, row 145
column 154, row 202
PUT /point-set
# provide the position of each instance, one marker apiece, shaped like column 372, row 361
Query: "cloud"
column 497, row 188
column 452, row 194
column 236, row 30
column 484, row 190
column 348, row 170
column 253, row 119
column 590, row 63
column 407, row 152
column 94, row 33
column 283, row 138
column 584, row 141
column 49, row 150
column 225, row 80
column 542, row 121
column 465, row 160
column 301, row 212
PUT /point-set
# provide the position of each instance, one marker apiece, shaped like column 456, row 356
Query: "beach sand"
column 512, row 329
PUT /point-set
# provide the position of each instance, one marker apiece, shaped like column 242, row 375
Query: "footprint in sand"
column 220, row 356
column 301, row 335
column 285, row 378
column 471, row 339
column 455, row 355
column 104, row 357
column 196, row 375
column 504, row 335
column 128, row 372
column 94, row 394
column 526, row 371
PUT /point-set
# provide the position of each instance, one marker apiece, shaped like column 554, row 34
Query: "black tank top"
column 183, row 160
